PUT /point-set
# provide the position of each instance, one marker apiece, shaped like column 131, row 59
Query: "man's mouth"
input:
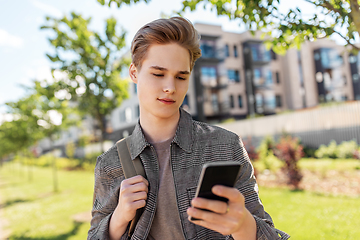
column 166, row 100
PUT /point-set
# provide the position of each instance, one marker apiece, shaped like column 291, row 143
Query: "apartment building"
column 238, row 77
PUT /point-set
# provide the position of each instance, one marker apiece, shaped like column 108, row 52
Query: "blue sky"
column 23, row 45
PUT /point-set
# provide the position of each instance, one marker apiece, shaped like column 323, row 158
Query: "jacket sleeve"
column 247, row 185
column 106, row 195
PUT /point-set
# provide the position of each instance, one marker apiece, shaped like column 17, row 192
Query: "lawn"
column 33, row 211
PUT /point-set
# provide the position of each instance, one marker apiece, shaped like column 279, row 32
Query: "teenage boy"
column 173, row 149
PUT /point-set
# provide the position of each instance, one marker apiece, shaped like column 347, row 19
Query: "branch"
column 347, row 40
column 325, row 5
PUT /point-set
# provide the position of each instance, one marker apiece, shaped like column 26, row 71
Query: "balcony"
column 210, row 52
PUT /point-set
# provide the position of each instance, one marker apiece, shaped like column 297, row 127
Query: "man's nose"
column 169, row 86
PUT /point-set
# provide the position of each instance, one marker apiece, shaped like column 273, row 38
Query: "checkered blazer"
column 195, row 143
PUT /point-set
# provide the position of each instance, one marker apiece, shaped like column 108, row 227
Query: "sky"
column 23, row 45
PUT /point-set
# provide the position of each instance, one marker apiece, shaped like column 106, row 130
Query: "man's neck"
column 159, row 129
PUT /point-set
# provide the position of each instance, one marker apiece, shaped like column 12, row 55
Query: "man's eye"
column 181, row 78
column 158, row 75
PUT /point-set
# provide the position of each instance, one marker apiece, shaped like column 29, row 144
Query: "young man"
column 173, row 149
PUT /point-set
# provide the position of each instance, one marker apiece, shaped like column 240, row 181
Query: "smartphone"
column 217, row 173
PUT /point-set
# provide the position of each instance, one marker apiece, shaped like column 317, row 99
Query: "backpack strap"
column 130, row 168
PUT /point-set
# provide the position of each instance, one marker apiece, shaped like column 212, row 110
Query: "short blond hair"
column 163, row 31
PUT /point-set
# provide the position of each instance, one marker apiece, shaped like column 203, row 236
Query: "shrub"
column 327, row 151
column 347, row 149
column 266, row 155
column 290, row 151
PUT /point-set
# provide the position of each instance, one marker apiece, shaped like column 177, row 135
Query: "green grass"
column 314, row 164
column 327, row 164
column 306, row 215
column 34, row 212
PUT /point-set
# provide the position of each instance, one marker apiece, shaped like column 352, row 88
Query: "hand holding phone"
column 216, row 173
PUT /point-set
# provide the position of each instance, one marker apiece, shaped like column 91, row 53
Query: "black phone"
column 217, row 173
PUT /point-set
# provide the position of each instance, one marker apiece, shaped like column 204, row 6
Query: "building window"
column 259, row 53
column 233, row 75
column 270, row 102
column 227, row 53
column 208, row 76
column 215, row 102
column 232, row 105
column 235, row 51
column 355, row 77
column 344, row 98
column 277, row 77
column 135, row 88
column 128, row 114
column 263, row 76
column 352, row 59
column 208, row 49
column 259, row 103
column 278, row 101
column 122, row 116
column 240, row 101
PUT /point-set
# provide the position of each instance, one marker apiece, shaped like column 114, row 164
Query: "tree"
column 23, row 131
column 94, row 66
column 287, row 29
column 44, row 112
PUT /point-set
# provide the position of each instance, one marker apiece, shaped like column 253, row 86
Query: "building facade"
column 237, row 77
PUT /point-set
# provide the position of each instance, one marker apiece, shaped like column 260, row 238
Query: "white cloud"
column 36, row 70
column 52, row 11
column 8, row 40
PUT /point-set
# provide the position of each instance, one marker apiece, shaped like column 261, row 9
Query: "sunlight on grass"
column 307, row 215
column 35, row 212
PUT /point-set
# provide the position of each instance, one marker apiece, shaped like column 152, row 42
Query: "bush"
column 290, row 151
column 327, row 151
column 266, row 155
column 347, row 149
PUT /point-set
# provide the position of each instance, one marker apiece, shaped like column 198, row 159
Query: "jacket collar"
column 183, row 136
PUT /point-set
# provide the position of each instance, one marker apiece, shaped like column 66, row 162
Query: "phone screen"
column 218, row 173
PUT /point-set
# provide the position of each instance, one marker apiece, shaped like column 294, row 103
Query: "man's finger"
column 134, row 180
column 232, row 194
column 207, row 216
column 212, row 205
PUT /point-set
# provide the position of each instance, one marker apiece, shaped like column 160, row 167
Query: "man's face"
column 163, row 81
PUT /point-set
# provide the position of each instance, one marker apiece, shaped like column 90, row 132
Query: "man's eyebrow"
column 159, row 68
column 165, row 69
column 184, row 72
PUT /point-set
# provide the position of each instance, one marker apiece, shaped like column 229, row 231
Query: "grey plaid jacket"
column 194, row 144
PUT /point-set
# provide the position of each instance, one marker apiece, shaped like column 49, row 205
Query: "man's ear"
column 133, row 72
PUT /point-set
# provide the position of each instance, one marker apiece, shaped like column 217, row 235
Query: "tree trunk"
column 29, row 168
column 54, row 169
